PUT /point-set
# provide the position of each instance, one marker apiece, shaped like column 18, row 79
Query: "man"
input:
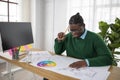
column 82, row 44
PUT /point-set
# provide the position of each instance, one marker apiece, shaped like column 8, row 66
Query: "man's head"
column 77, row 26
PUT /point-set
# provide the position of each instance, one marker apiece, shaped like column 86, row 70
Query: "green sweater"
column 92, row 48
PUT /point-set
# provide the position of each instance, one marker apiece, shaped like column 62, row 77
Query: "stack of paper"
column 35, row 56
column 62, row 66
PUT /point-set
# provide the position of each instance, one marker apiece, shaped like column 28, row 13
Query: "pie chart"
column 46, row 63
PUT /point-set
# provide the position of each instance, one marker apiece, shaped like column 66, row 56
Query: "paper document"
column 86, row 73
column 35, row 56
column 6, row 55
column 61, row 65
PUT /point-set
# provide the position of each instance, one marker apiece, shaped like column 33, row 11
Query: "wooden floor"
column 18, row 75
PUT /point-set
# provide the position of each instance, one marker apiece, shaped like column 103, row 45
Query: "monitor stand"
column 1, row 61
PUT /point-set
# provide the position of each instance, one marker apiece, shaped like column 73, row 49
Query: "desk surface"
column 114, row 75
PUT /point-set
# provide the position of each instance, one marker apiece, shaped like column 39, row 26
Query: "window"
column 9, row 10
column 94, row 11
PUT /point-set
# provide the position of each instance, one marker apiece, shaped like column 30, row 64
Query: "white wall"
column 37, row 14
column 48, row 24
column 60, row 18
column 25, row 11
column 48, row 18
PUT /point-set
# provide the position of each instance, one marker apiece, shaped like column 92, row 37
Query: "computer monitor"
column 15, row 34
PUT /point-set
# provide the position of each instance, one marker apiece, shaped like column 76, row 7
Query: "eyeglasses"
column 75, row 30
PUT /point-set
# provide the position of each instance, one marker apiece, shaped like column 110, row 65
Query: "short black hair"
column 76, row 19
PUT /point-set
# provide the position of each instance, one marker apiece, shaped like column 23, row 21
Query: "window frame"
column 8, row 2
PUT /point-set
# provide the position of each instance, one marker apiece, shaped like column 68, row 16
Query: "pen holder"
column 15, row 54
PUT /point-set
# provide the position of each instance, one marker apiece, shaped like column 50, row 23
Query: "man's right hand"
column 61, row 36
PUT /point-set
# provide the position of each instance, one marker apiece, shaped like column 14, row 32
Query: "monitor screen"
column 15, row 34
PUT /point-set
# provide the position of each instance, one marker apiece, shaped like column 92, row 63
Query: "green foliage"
column 111, row 35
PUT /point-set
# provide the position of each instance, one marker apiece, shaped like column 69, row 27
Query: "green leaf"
column 103, row 26
column 117, row 52
column 101, row 35
column 113, row 28
column 118, row 30
column 117, row 21
column 114, row 45
column 111, row 37
column 116, row 35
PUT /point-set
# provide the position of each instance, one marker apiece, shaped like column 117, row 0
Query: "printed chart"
column 46, row 63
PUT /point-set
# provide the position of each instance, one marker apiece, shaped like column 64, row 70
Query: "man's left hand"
column 78, row 64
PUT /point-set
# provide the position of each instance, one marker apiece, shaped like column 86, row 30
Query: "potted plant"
column 111, row 35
